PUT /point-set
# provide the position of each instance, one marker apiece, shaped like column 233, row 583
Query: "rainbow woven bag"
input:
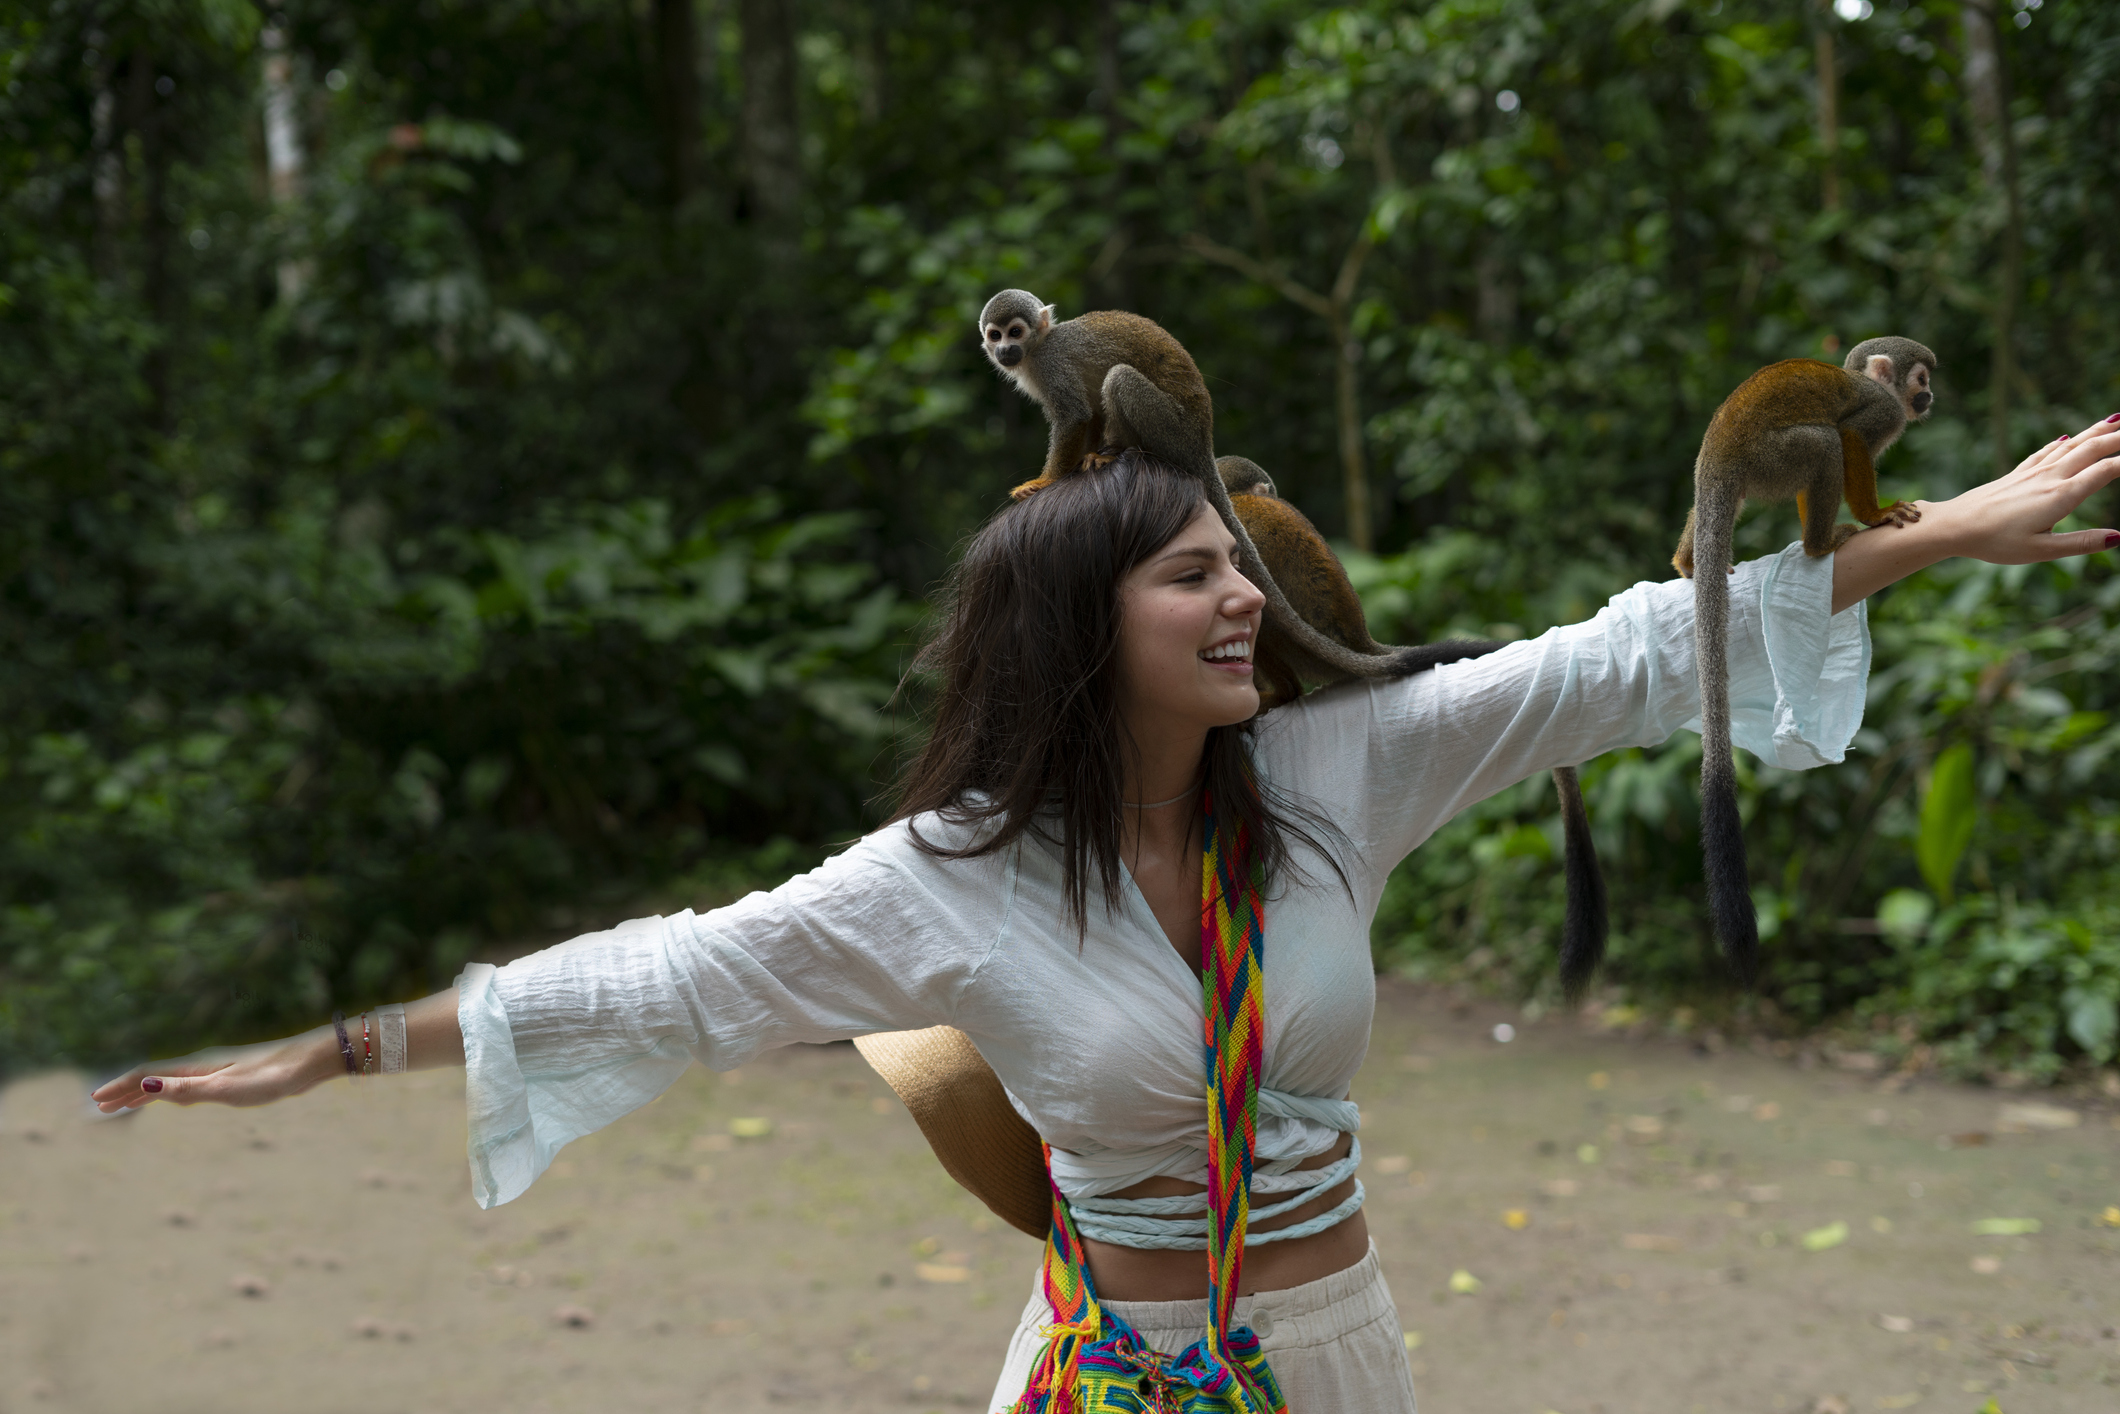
column 1093, row 1361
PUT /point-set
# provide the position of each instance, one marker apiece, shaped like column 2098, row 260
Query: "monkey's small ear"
column 1879, row 367
column 1045, row 317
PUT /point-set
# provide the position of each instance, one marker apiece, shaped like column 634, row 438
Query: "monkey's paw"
column 1030, row 488
column 1898, row 513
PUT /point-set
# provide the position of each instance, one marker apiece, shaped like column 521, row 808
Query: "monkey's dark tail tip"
column 1722, row 838
column 1586, row 923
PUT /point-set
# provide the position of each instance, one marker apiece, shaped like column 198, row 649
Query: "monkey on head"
column 1801, row 429
column 1113, row 379
column 1319, row 592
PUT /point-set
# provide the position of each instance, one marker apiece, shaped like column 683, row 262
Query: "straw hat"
column 959, row 1104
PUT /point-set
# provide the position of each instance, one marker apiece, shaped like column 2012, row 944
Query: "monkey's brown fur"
column 1801, row 429
column 1112, row 379
column 1318, row 589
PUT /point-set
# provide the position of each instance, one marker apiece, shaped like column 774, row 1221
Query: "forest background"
column 464, row 466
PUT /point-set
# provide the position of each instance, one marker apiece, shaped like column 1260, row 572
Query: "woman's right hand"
column 227, row 1075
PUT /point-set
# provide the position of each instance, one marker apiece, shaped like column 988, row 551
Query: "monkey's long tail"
column 1722, row 832
column 1584, row 926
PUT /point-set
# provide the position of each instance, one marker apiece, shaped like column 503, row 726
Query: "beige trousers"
column 1334, row 1343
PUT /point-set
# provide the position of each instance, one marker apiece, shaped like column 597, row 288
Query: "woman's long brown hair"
column 1027, row 732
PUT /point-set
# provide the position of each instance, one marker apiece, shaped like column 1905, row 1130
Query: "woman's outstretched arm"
column 273, row 1070
column 2008, row 521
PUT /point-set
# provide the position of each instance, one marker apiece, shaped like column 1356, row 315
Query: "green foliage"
column 515, row 507
column 1948, row 813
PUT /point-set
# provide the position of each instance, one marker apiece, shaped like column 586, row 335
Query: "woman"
column 1041, row 888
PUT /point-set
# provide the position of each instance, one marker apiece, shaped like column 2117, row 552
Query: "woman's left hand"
column 2011, row 520
column 2007, row 521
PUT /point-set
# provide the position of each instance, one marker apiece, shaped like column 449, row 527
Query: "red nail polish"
column 2112, row 539
column 2114, row 418
column 153, row 1086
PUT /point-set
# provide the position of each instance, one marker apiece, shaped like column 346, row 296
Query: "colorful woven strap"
column 1090, row 1352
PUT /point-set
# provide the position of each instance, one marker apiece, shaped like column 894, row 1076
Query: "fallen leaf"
column 1987, row 1266
column 2110, row 1217
column 1413, row 1340
column 1515, row 1219
column 1463, row 1282
column 1586, row 1153
column 1650, row 1242
column 1644, row 1129
column 1818, row 1239
column 1971, row 1139
column 1897, row 1325
column 1599, row 1079
column 750, row 1127
column 941, row 1272
column 2005, row 1227
column 2027, row 1116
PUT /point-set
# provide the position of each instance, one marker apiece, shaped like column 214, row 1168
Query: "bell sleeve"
column 1393, row 761
column 562, row 1042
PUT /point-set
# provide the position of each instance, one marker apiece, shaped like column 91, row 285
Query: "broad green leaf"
column 1948, row 814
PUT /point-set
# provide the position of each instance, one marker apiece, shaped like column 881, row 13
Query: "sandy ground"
column 1634, row 1215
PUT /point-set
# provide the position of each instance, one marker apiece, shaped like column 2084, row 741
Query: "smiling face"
column 1188, row 623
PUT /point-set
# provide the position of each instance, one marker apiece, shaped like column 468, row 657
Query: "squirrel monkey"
column 1318, row 590
column 1113, row 379
column 1798, row 428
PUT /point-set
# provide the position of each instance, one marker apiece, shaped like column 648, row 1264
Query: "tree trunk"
column 283, row 149
column 1828, row 107
column 1354, row 462
column 1108, row 285
column 772, row 147
column 1987, row 95
column 677, row 59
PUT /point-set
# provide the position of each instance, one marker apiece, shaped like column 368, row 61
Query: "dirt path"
column 830, row 1265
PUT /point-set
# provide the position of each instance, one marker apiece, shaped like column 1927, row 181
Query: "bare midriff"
column 1142, row 1274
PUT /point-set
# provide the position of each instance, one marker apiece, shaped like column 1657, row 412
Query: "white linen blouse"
column 1097, row 1039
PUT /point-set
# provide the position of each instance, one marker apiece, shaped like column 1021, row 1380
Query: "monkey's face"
column 1008, row 340
column 1919, row 398
column 1911, row 384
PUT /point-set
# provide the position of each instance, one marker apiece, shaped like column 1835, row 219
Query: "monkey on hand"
column 1113, row 379
column 1319, row 593
column 1801, row 429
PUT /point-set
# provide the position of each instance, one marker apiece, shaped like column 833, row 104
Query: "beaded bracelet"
column 367, row 1049
column 338, row 1024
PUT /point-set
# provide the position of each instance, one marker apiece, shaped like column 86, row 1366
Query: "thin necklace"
column 1159, row 804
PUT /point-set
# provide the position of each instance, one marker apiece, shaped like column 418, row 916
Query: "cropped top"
column 1097, row 1039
